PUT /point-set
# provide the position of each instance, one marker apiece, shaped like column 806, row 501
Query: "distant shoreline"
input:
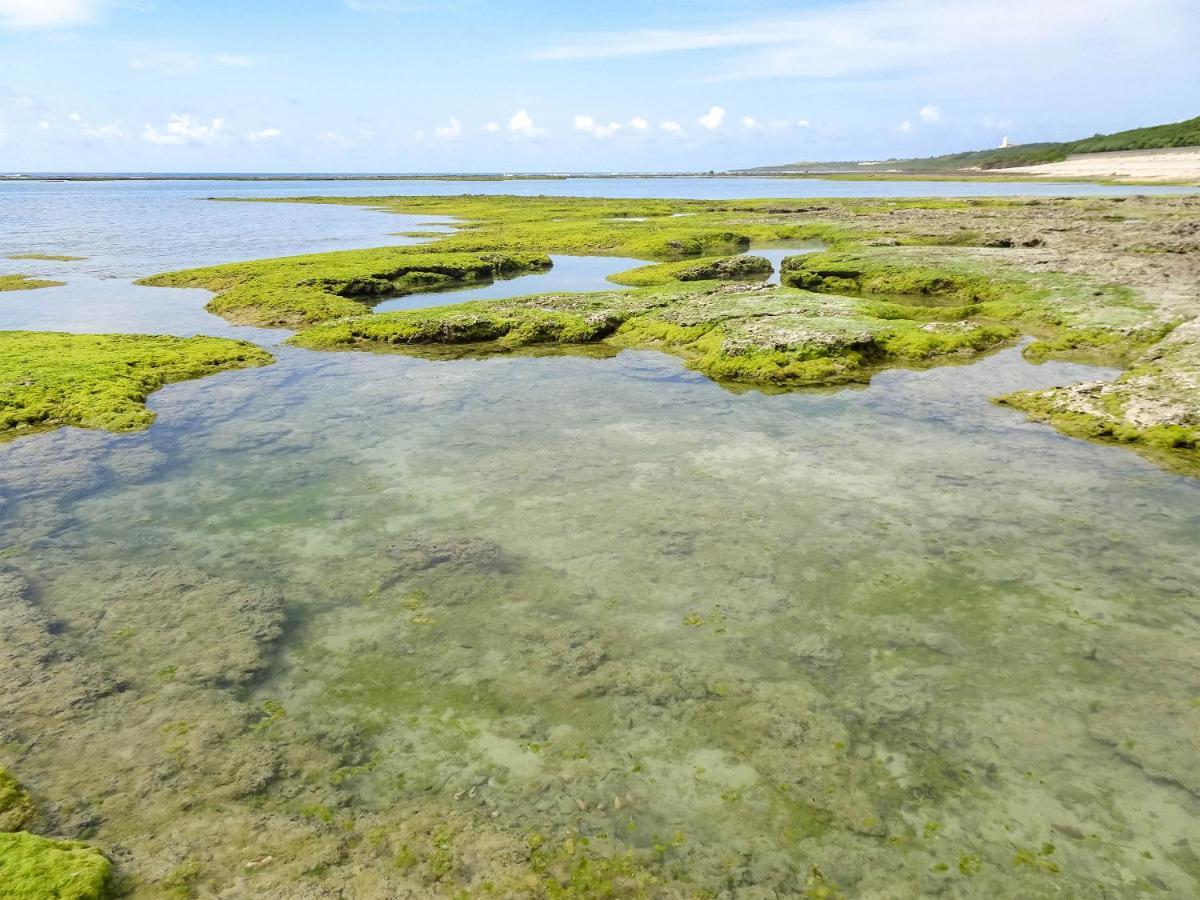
column 1016, row 176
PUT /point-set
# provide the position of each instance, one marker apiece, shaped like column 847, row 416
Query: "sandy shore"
column 1181, row 164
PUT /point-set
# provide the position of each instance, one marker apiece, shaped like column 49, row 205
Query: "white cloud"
column 167, row 62
column 904, row 127
column 671, row 127
column 590, row 126
column 44, row 126
column 235, row 60
column 522, row 124
column 637, row 123
column 111, row 131
column 492, row 127
column 889, row 36
column 451, row 130
column 749, row 122
column 23, row 14
column 266, row 134
column 75, row 117
column 185, row 129
column 930, row 114
column 713, row 119
column 803, row 123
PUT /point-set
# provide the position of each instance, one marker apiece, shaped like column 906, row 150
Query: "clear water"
column 894, row 635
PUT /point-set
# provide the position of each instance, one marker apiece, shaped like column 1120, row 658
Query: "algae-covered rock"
column 16, row 807
column 25, row 283
column 1155, row 404
column 38, row 868
column 732, row 268
column 50, row 379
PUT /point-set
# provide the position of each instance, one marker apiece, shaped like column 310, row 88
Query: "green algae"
column 16, row 807
column 777, row 336
column 50, row 379
column 25, row 283
column 305, row 289
column 37, row 868
column 48, row 257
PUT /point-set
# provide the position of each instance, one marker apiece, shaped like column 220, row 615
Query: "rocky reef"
column 902, row 282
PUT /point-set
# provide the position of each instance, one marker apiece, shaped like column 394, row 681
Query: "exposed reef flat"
column 50, row 379
column 25, row 283
column 300, row 290
column 902, row 282
column 47, row 257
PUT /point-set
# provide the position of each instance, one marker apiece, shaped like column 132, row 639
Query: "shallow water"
column 894, row 635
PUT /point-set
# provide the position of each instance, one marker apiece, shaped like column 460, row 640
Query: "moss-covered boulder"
column 38, row 868
column 730, row 268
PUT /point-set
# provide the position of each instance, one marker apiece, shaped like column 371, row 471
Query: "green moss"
column 25, row 283
column 49, row 379
column 16, row 807
column 888, row 275
column 300, row 290
column 37, row 868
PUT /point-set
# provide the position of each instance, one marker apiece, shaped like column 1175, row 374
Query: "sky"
column 558, row 86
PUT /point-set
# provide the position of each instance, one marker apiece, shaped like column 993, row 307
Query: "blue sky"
column 656, row 85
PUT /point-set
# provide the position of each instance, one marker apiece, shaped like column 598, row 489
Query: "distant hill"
column 1154, row 137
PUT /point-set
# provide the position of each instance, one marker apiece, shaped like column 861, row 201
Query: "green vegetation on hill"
column 48, row 379
column 1154, row 137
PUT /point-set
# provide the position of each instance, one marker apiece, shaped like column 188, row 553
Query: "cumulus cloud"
column 522, row 124
column 749, row 122
column 803, row 123
column 713, row 119
column 904, row 127
column 266, row 134
column 590, row 126
column 30, row 14
column 930, row 114
column 166, row 62
column 671, row 127
column 637, row 123
column 492, row 127
column 451, row 130
column 185, row 129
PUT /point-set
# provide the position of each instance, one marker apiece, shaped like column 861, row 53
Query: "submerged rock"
column 1159, row 735
column 422, row 551
column 176, row 623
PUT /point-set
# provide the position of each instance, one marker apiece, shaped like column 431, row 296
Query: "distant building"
column 1004, row 144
